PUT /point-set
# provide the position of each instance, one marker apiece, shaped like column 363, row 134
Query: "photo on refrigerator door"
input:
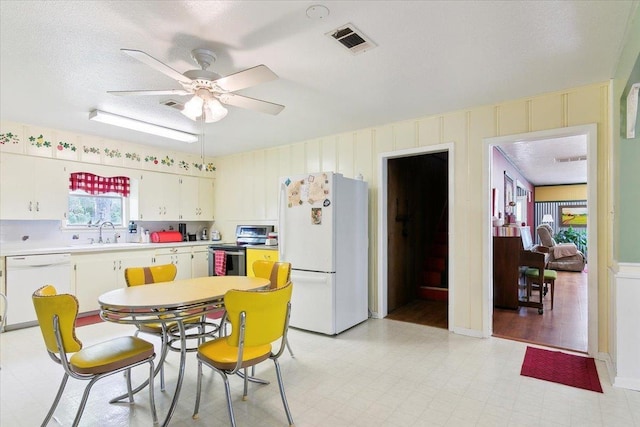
column 316, row 216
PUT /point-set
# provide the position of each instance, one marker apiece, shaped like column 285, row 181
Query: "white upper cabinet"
column 32, row 188
column 205, row 199
column 196, row 199
column 189, row 198
column 158, row 197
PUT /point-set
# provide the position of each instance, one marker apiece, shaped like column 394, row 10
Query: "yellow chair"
column 278, row 273
column 57, row 316
column 258, row 318
column 137, row 276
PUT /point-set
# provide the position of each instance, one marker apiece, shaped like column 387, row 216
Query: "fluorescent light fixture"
column 547, row 218
column 128, row 123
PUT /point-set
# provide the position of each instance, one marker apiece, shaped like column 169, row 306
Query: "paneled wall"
column 247, row 183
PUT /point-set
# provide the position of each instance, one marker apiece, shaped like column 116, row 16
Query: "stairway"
column 433, row 277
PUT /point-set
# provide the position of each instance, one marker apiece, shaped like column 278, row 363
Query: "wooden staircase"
column 433, row 278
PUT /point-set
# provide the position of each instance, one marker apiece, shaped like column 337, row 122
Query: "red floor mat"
column 561, row 368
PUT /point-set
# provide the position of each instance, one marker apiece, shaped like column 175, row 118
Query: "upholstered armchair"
column 562, row 256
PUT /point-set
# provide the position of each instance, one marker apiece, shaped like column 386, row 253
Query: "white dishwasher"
column 26, row 274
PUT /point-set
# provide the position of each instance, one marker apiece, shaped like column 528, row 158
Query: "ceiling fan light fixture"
column 214, row 111
column 140, row 126
column 193, row 107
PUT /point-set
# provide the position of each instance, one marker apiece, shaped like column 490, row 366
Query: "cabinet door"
column 51, row 189
column 132, row 259
column 259, row 254
column 200, row 262
column 181, row 257
column 189, row 209
column 29, row 195
column 94, row 275
column 158, row 197
column 150, row 197
column 205, row 199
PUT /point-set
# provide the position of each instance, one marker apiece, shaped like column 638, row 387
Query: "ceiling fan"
column 210, row 90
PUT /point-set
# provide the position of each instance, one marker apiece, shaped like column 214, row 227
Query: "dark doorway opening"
column 418, row 239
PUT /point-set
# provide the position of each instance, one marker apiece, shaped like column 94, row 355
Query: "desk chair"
column 57, row 316
column 532, row 276
column 278, row 273
column 258, row 318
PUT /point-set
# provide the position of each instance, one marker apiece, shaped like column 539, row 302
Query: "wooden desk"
column 172, row 302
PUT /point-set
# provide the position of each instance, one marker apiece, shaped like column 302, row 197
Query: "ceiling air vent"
column 173, row 104
column 352, row 39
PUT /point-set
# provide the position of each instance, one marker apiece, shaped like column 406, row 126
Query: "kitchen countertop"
column 39, row 248
column 269, row 247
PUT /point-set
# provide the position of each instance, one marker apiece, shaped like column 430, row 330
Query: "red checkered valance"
column 94, row 184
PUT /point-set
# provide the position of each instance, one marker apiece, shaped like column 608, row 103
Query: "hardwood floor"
column 422, row 312
column 564, row 327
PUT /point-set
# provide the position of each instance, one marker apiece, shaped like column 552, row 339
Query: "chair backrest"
column 546, row 235
column 266, row 314
column 278, row 273
column 135, row 276
column 533, row 259
column 48, row 304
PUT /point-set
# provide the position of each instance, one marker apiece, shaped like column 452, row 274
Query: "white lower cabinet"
column 96, row 274
column 180, row 256
column 200, row 261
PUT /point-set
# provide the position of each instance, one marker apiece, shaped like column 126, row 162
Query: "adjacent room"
column 254, row 213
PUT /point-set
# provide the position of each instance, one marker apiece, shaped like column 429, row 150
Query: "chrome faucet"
column 102, row 225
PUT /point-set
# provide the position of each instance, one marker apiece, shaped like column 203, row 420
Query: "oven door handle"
column 231, row 253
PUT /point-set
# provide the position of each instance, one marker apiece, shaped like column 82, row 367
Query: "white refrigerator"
column 323, row 233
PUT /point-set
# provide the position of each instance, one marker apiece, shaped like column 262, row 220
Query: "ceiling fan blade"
column 247, row 78
column 149, row 92
column 250, row 103
column 154, row 63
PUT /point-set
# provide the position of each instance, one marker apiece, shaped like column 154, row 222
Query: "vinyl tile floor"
column 379, row 373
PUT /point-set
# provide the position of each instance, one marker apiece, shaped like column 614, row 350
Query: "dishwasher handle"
column 38, row 261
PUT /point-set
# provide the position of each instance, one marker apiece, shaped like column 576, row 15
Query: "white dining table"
column 172, row 302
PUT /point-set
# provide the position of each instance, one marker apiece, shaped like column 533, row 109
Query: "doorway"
column 588, row 280
column 415, row 219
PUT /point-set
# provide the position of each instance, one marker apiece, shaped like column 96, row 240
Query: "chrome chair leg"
column 198, row 391
column 85, row 396
column 282, row 394
column 246, row 384
column 54, row 405
column 289, row 348
column 227, row 390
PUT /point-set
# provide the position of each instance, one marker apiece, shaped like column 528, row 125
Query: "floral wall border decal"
column 9, row 138
column 112, row 153
column 39, row 141
column 135, row 157
column 90, row 150
column 66, row 146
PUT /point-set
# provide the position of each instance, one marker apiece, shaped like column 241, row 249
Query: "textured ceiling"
column 550, row 161
column 59, row 59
